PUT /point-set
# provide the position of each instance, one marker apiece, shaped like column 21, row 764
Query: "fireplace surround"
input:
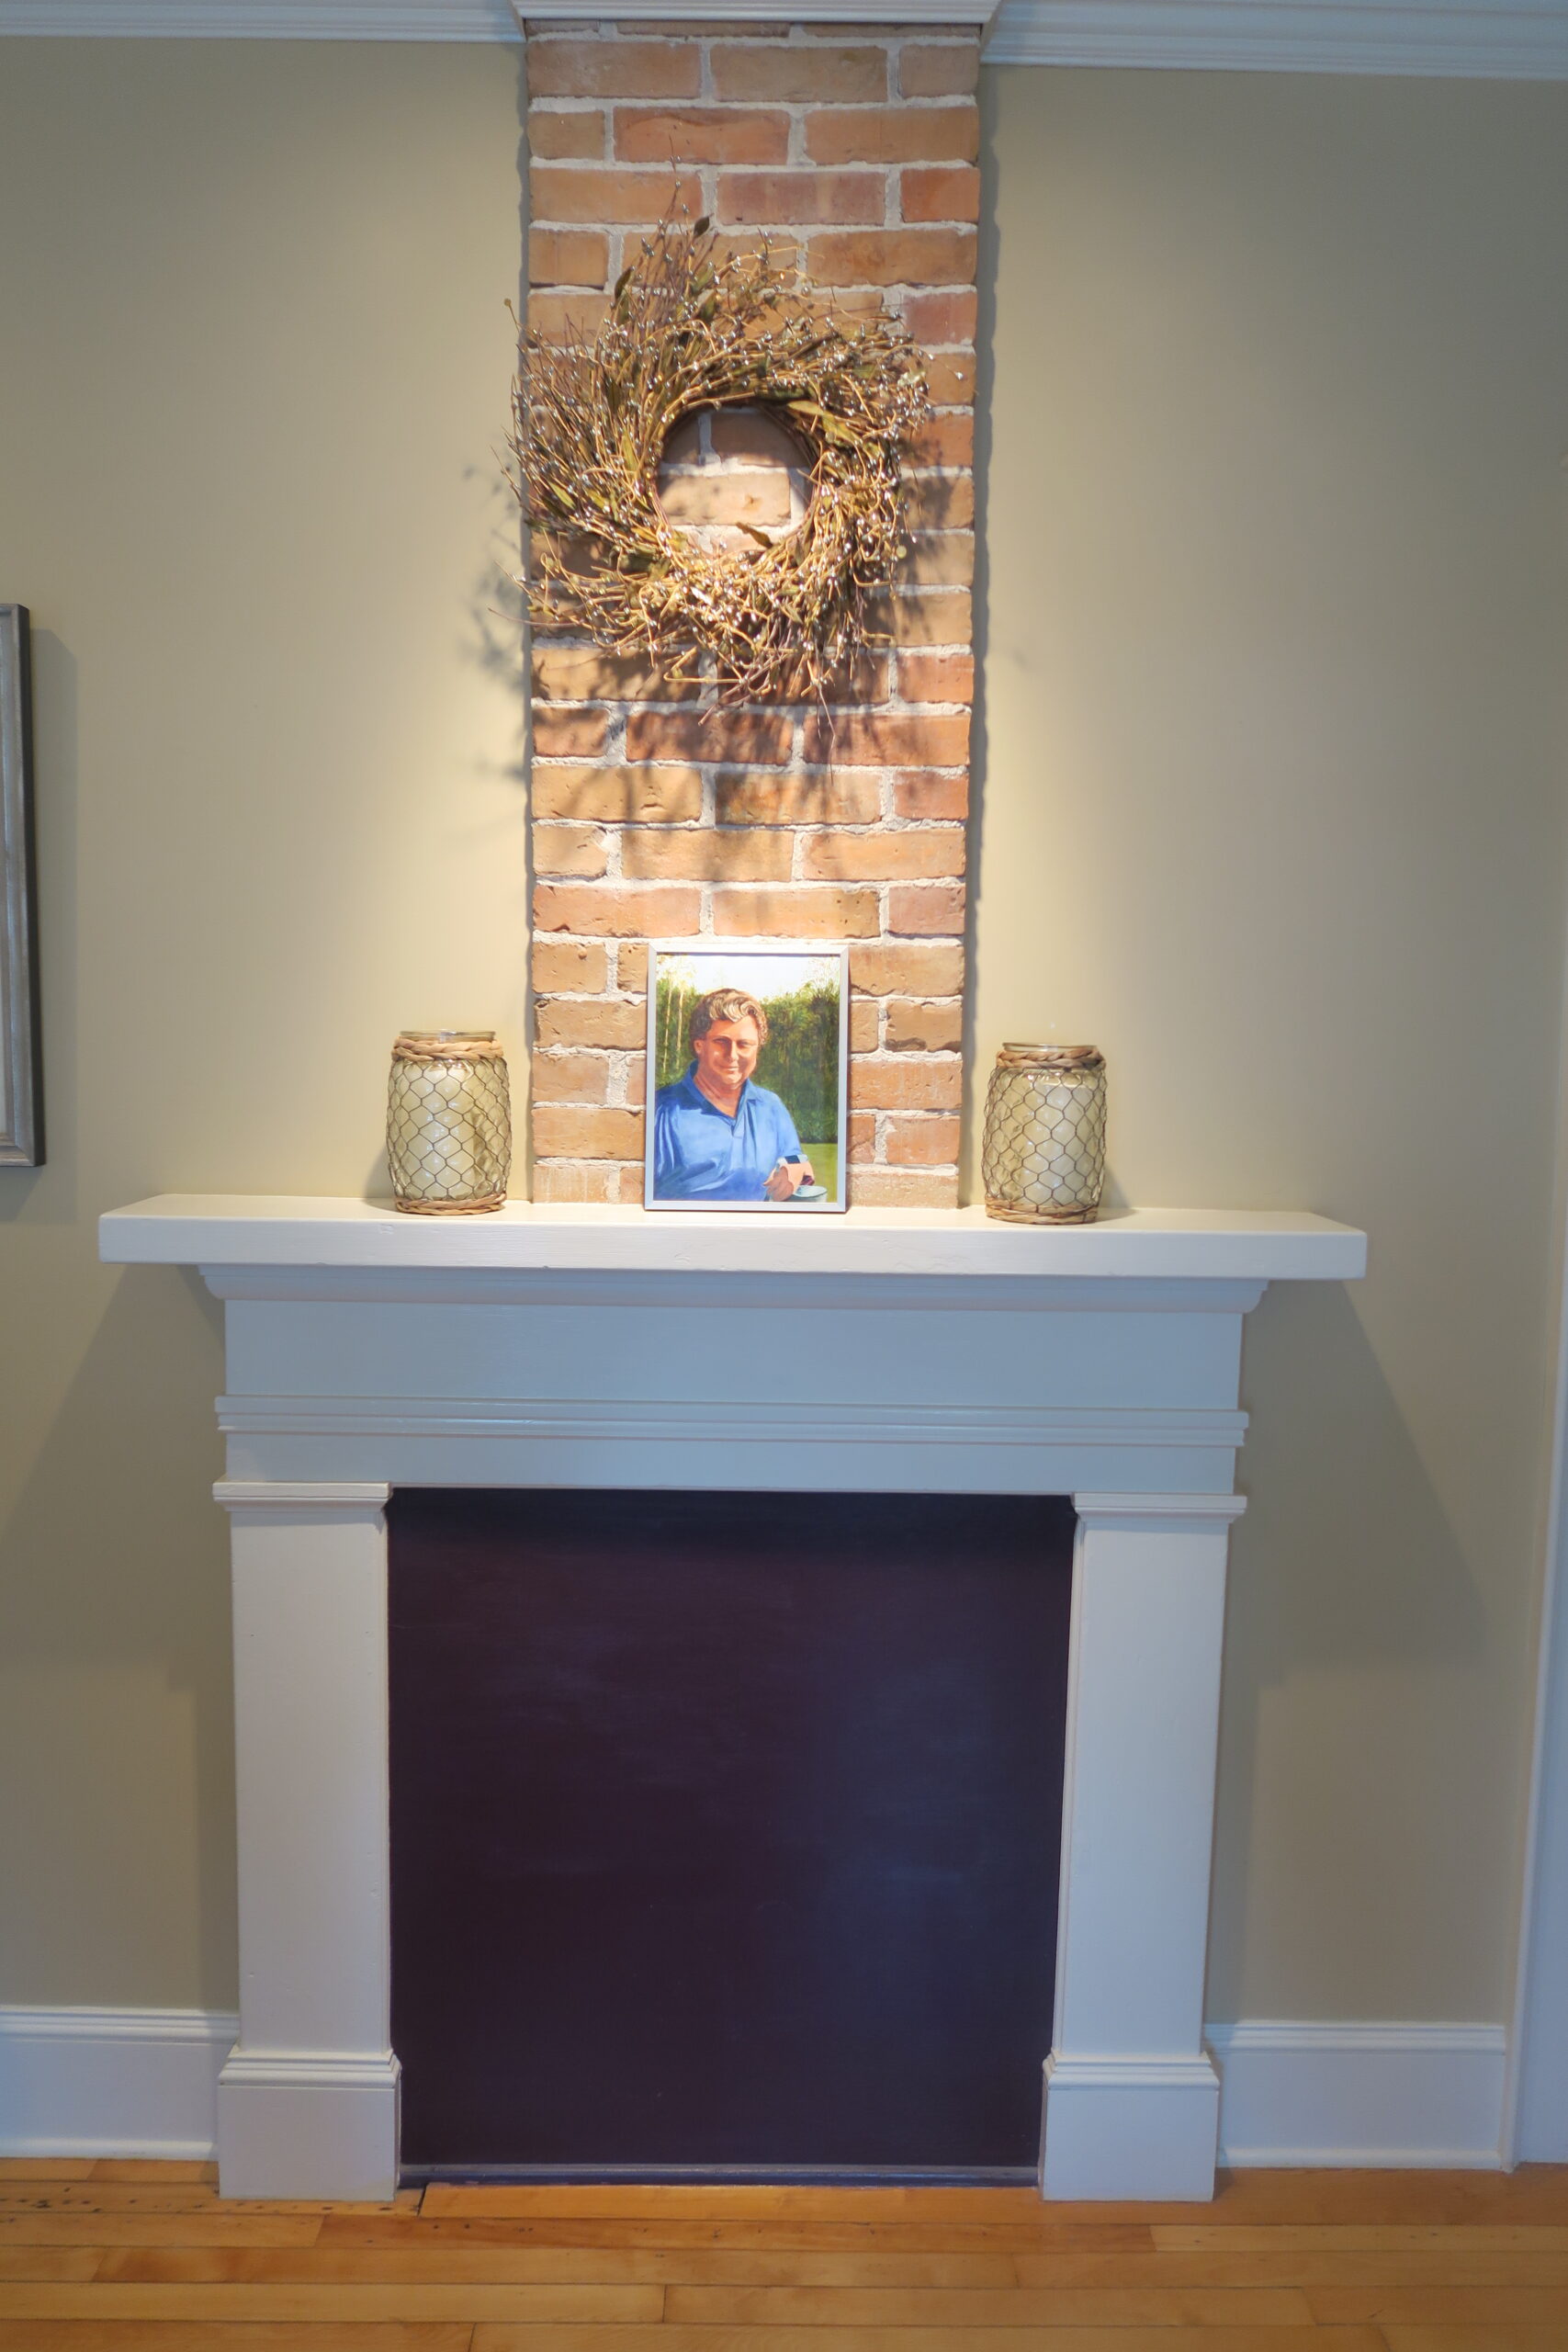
column 890, row 1350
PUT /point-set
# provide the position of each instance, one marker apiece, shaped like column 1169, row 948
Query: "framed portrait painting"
column 748, row 1064
column 21, row 1107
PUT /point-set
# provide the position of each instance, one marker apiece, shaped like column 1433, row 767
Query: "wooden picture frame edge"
column 21, row 1029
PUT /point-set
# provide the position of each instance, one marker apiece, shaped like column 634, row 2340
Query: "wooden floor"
column 137, row 2257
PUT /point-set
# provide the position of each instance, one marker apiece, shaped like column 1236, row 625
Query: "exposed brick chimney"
column 858, row 147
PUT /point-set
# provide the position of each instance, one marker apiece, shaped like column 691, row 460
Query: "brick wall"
column 857, row 146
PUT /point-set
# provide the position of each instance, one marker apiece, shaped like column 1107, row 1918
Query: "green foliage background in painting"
column 799, row 1061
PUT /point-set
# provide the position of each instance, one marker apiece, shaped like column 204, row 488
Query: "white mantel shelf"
column 882, row 1351
column 1157, row 1245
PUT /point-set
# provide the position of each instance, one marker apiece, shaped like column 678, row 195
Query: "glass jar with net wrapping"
column 1044, row 1156
column 448, row 1122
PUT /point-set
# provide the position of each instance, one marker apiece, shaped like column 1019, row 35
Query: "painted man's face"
column 727, row 1055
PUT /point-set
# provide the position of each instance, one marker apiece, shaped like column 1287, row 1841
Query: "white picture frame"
column 22, row 1083
column 804, row 1047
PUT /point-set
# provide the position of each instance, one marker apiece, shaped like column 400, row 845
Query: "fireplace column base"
column 308, row 2101
column 1131, row 2097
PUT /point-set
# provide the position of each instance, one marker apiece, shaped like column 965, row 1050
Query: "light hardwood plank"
column 1534, row 2193
column 1451, row 2266
column 151, row 2197
column 1346, row 2237
column 50, row 2261
column 1484, row 2338
column 727, row 2201
column 343, row 2306
column 153, row 2168
column 1441, row 2306
column 488, row 2338
column 223, row 2227
column 600, row 2265
column 987, row 2308
column 46, row 2167
column 158, row 2335
column 352, row 2226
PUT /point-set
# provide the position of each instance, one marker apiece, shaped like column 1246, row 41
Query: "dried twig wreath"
column 686, row 332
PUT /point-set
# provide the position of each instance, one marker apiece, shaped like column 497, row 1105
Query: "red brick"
column 818, row 797
column 942, row 318
column 562, row 733
column 613, row 69
column 915, row 1082
column 567, row 257
column 862, row 1137
column 925, row 617
column 748, row 70
column 949, row 378
column 582, row 674
column 707, row 496
column 697, row 854
column 930, row 1142
column 581, row 850
column 940, row 560
column 892, row 740
column 567, row 1133
column 907, row 971
column 812, row 912
column 848, row 134
column 920, row 1026
column 906, row 1188
column 929, row 907
column 592, row 192
column 802, row 196
column 701, row 135
column 883, row 856
column 931, row 797
column 631, row 964
column 939, row 192
column 950, row 69
column 555, row 135
column 727, row 736
column 636, row 1079
column 602, row 1021
column 594, row 1179
column 609, row 911
column 568, row 1077
column 936, row 677
column 617, row 796
column 947, row 439
column 567, row 964
column 566, row 318
column 935, row 500
column 866, row 1025
column 891, row 256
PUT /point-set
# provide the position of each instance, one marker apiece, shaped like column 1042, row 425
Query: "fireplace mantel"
column 885, row 1350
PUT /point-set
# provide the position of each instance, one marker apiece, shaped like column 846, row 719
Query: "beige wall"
column 1271, row 809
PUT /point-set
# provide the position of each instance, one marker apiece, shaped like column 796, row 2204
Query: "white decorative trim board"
column 111, row 2082
column 1360, row 2094
column 1467, row 38
column 144, row 2082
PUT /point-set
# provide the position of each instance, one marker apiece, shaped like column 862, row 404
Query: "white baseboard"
column 144, row 2082
column 111, row 2082
column 1360, row 2094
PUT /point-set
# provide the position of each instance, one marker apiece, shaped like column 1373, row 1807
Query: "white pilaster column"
column 308, row 2102
column 1131, row 2097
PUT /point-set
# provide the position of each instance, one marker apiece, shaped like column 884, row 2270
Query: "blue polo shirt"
column 700, row 1153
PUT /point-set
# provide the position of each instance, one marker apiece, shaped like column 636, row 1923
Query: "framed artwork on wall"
column 748, row 1068
column 21, row 1099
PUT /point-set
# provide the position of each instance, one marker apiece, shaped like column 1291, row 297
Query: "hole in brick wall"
column 728, row 473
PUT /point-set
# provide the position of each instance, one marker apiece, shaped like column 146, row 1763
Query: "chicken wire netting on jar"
column 1042, row 1161
column 448, row 1122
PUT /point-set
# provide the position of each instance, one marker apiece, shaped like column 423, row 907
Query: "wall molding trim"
column 1381, row 2095
column 133, row 2082
column 1452, row 38
column 108, row 2082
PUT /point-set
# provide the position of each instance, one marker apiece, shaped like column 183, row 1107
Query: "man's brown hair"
column 727, row 1004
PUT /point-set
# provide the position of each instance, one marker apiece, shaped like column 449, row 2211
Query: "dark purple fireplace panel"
column 725, row 1827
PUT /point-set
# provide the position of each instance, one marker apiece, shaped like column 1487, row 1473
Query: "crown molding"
column 1470, row 38
column 1479, row 39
